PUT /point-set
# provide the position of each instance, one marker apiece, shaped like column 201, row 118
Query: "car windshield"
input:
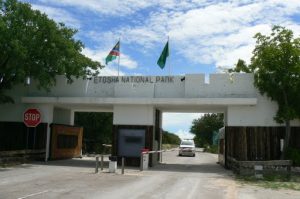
column 187, row 143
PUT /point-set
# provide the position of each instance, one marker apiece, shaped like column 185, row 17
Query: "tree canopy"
column 97, row 130
column 32, row 45
column 204, row 127
column 170, row 138
column 276, row 67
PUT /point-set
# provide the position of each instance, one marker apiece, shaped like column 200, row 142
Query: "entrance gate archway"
column 180, row 123
column 137, row 103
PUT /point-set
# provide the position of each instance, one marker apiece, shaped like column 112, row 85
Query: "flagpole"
column 119, row 58
column 169, row 57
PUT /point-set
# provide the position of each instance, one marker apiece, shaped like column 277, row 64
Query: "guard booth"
column 130, row 142
column 66, row 141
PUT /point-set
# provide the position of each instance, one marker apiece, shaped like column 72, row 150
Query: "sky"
column 179, row 123
column 205, row 36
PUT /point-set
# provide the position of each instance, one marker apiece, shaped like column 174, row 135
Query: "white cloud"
column 107, row 39
column 205, row 31
column 236, row 46
column 140, row 35
column 212, row 33
column 58, row 14
column 97, row 55
column 121, row 7
column 109, row 71
column 108, row 7
column 100, row 55
column 127, row 62
column 182, row 134
column 179, row 123
column 222, row 33
column 179, row 119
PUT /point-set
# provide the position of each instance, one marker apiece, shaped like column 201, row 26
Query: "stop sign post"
column 32, row 117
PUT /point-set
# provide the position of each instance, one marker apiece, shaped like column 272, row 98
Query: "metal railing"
column 102, row 163
column 123, row 160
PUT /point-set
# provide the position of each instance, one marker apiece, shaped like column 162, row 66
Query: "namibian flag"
column 113, row 53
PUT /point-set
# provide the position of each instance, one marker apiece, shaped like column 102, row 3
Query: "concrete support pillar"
column 63, row 116
column 134, row 117
column 72, row 117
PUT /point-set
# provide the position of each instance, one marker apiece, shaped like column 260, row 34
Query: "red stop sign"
column 32, row 117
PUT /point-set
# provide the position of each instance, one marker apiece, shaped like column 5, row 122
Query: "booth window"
column 67, row 141
column 133, row 139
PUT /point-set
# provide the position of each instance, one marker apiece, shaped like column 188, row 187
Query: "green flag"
column 163, row 57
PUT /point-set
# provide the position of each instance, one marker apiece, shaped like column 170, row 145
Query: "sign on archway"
column 32, row 117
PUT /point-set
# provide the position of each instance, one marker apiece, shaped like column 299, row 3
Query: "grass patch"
column 10, row 164
column 272, row 181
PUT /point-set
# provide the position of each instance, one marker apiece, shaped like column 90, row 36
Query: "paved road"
column 178, row 177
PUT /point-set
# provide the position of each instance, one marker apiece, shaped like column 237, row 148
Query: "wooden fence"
column 257, row 143
column 16, row 136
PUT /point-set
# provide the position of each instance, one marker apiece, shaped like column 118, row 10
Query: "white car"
column 187, row 148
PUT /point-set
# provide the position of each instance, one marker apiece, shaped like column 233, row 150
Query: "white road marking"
column 34, row 194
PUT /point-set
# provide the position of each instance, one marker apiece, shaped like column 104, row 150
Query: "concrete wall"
column 189, row 86
column 134, row 90
column 14, row 112
column 78, row 88
column 220, row 85
column 261, row 114
column 62, row 116
column 133, row 115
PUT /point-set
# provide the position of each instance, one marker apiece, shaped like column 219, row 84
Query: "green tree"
column 97, row 130
column 204, row 127
column 170, row 138
column 241, row 66
column 276, row 67
column 32, row 45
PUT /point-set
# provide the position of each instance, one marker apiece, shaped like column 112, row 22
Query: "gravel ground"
column 177, row 177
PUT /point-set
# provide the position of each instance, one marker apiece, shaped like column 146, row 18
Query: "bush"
column 294, row 155
column 211, row 149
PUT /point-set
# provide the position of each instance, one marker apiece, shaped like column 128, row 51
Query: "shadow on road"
column 200, row 168
column 87, row 163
